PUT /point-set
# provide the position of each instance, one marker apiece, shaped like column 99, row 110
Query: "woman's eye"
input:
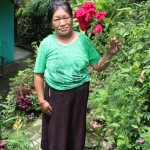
column 57, row 20
column 66, row 18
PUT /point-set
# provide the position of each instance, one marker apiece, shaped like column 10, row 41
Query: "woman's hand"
column 46, row 108
column 114, row 46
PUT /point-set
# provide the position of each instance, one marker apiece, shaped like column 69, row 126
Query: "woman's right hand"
column 46, row 108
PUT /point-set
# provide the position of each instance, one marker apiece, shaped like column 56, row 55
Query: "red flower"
column 83, row 25
column 80, row 12
column 97, row 29
column 80, row 15
column 90, row 14
column 85, row 14
column 100, row 16
column 88, row 5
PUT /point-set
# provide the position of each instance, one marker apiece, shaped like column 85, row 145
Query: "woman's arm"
column 39, row 87
column 105, row 60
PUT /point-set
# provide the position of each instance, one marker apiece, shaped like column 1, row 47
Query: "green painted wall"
column 7, row 30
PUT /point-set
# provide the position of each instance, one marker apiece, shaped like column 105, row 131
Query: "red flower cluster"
column 85, row 15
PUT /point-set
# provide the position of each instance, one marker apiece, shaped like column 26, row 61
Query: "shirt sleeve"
column 40, row 64
column 93, row 55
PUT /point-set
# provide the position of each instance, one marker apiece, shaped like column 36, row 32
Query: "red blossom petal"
column 88, row 17
column 85, row 14
column 80, row 15
column 88, row 5
column 100, row 16
column 80, row 12
column 90, row 14
column 97, row 29
column 83, row 26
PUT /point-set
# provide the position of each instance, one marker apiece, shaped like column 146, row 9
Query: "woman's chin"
column 65, row 32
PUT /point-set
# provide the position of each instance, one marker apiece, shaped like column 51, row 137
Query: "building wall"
column 7, row 30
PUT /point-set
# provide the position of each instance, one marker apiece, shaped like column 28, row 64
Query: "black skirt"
column 65, row 129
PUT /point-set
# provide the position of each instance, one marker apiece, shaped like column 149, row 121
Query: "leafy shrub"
column 18, row 140
column 21, row 105
column 13, row 134
column 31, row 22
column 23, row 92
column 119, row 96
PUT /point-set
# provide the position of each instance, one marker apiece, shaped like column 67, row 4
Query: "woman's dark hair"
column 55, row 4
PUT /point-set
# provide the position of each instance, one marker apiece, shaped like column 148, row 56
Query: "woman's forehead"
column 60, row 12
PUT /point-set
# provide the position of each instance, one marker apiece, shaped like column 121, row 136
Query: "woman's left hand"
column 114, row 46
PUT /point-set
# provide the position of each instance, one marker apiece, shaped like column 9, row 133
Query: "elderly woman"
column 62, row 61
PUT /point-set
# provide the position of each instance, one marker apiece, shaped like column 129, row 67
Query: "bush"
column 119, row 98
column 31, row 23
column 20, row 107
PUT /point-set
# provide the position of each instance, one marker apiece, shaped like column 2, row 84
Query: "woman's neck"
column 70, row 38
column 62, row 37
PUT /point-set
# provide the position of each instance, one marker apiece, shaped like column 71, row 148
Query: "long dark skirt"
column 66, row 127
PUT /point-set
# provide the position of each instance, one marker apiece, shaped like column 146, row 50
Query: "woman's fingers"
column 115, row 43
column 47, row 108
column 50, row 108
column 119, row 43
column 48, row 112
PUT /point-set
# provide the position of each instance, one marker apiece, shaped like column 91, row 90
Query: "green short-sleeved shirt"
column 65, row 67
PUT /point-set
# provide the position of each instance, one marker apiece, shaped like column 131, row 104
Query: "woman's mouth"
column 64, row 29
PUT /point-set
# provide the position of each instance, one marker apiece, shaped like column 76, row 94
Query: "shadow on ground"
column 10, row 71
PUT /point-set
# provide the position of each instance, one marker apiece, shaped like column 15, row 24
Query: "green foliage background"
column 120, row 94
column 31, row 22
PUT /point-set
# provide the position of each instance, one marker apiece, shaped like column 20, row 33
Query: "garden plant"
column 119, row 102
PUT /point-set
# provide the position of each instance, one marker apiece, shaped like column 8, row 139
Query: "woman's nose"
column 62, row 22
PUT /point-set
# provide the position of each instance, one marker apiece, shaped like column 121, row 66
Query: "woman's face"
column 62, row 22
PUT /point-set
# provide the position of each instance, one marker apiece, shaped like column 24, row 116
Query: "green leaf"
column 139, row 46
column 135, row 126
column 115, row 125
column 11, row 119
column 20, row 73
column 120, row 142
column 132, row 51
column 110, row 138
